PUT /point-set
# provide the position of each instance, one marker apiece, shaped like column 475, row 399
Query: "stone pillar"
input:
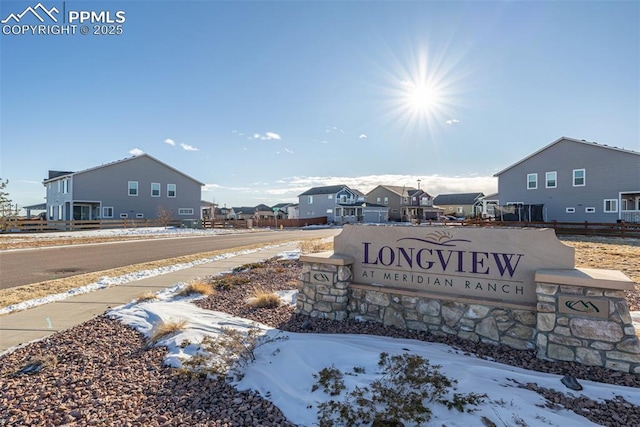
column 583, row 317
column 324, row 285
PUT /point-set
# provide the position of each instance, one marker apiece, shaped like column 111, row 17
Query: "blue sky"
column 262, row 100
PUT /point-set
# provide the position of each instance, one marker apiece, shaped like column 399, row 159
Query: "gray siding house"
column 575, row 181
column 460, row 205
column 340, row 204
column 132, row 188
column 392, row 196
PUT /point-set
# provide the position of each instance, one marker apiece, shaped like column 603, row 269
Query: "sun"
column 423, row 91
column 421, row 97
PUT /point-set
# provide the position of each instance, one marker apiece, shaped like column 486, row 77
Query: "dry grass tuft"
column 314, row 246
column 201, row 288
column 165, row 329
column 146, row 296
column 264, row 300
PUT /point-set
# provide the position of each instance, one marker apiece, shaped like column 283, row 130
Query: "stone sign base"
column 581, row 315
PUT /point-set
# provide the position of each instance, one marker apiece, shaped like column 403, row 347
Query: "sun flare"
column 421, row 97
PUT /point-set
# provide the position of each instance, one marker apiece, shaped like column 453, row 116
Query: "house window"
column 570, row 210
column 60, row 212
column 51, row 212
column 155, row 189
column 551, row 179
column 310, row 200
column 65, row 186
column 579, row 177
column 139, row 215
column 107, row 212
column 171, row 190
column 532, row 181
column 386, row 200
column 610, row 205
column 343, row 199
column 590, row 210
column 133, row 188
column 378, row 200
column 124, row 215
column 185, row 211
column 460, row 209
column 329, row 211
column 330, row 196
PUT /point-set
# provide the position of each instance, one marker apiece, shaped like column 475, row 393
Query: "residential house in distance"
column 281, row 210
column 391, row 196
column 460, row 205
column 340, row 204
column 243, row 212
column 404, row 203
column 575, row 181
column 132, row 188
column 419, row 206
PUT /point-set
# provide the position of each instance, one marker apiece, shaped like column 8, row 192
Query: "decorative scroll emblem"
column 439, row 238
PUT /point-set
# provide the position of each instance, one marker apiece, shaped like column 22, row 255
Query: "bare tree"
column 164, row 216
column 7, row 210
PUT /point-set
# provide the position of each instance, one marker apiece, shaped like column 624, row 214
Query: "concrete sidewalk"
column 41, row 321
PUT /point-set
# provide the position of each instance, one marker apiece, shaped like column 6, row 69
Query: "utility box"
column 191, row 223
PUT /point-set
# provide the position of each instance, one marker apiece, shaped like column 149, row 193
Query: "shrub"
column 247, row 267
column 227, row 282
column 201, row 288
column 224, row 355
column 407, row 382
column 165, row 329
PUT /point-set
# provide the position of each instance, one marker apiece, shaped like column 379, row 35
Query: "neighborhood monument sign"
column 455, row 261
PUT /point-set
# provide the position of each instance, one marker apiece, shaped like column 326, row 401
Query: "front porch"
column 630, row 207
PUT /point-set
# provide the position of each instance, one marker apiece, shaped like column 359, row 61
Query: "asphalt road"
column 22, row 267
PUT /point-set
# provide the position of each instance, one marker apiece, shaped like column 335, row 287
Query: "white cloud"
column 187, row 147
column 362, row 136
column 452, row 121
column 288, row 151
column 136, row 151
column 169, row 141
column 267, row 136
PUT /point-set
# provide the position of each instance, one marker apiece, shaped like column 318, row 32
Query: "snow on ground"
column 283, row 370
column 139, row 231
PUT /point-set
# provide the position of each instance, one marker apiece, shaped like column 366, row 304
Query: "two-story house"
column 575, row 180
column 340, row 204
column 460, row 205
column 392, row 196
column 132, row 188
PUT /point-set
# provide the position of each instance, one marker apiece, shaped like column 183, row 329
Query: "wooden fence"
column 40, row 226
column 618, row 229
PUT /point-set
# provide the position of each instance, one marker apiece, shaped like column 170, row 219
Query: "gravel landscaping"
column 101, row 373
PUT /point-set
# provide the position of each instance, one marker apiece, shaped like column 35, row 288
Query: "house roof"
column 400, row 190
column 59, row 175
column 413, row 192
column 564, row 138
column 244, row 209
column 282, row 205
column 329, row 189
column 263, row 207
column 457, row 199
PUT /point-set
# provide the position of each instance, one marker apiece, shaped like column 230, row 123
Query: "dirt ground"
column 607, row 253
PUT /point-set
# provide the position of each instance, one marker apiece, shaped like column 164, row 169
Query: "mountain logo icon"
column 38, row 11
